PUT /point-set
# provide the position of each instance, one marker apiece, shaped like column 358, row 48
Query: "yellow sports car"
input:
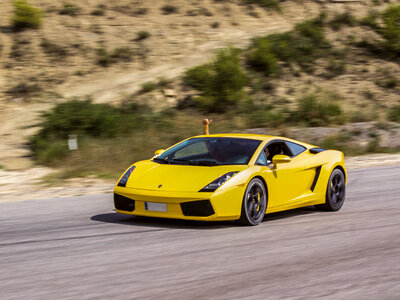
column 232, row 177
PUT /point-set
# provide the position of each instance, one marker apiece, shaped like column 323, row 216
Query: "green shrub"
column 69, row 9
column 370, row 20
column 302, row 45
column 164, row 82
column 85, row 119
column 335, row 68
column 391, row 30
column 394, row 114
column 24, row 89
column 261, row 57
column 341, row 19
column 25, row 16
column 148, row 87
column 121, row 54
column 318, row 110
column 99, row 11
column 96, row 124
column 198, row 77
column 274, row 4
column 142, row 35
column 169, row 9
column 265, row 118
column 220, row 82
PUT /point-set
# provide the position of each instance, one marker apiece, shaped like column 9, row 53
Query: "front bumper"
column 220, row 205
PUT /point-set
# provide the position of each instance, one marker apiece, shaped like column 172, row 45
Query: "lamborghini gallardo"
column 232, row 177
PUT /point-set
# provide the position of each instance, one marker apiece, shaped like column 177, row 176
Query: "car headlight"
column 124, row 179
column 211, row 187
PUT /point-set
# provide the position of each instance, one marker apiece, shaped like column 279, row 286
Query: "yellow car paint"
column 288, row 183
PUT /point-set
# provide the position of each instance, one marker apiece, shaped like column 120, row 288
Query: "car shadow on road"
column 159, row 222
column 290, row 213
column 116, row 218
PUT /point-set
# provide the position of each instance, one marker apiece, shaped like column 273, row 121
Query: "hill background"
column 127, row 52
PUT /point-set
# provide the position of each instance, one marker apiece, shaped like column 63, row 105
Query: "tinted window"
column 295, row 148
column 192, row 149
column 262, row 160
column 217, row 150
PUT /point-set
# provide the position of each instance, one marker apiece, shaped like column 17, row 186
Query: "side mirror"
column 280, row 158
column 158, row 152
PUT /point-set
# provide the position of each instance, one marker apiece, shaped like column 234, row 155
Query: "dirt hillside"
column 81, row 50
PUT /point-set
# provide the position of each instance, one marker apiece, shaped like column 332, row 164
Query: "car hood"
column 149, row 175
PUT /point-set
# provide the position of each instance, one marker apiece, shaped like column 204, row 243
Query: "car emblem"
column 160, row 186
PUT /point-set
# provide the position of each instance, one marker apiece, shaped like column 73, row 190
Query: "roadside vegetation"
column 25, row 16
column 234, row 89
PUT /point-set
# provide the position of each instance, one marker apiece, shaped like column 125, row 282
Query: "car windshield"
column 210, row 151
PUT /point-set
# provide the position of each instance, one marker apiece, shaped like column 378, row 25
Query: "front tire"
column 254, row 203
column 335, row 191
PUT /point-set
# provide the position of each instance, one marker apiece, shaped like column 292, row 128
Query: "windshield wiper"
column 183, row 160
column 159, row 159
column 207, row 163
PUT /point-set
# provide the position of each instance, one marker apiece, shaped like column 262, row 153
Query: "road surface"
column 76, row 248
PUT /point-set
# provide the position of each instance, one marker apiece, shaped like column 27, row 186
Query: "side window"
column 275, row 148
column 295, row 148
column 261, row 160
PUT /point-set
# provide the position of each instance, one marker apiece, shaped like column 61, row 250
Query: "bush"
column 148, row 87
column 342, row 19
column 99, row 124
column 261, row 57
column 394, row 114
column 142, row 35
column 335, row 68
column 391, row 30
column 169, row 9
column 85, row 119
column 370, row 20
column 69, row 9
column 220, row 82
column 25, row 16
column 198, row 77
column 24, row 89
column 274, row 4
column 302, row 45
column 121, row 54
column 318, row 110
column 99, row 11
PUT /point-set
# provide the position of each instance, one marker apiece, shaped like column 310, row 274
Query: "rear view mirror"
column 158, row 152
column 280, row 158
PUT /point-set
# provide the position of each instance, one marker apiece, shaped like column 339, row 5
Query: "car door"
column 289, row 182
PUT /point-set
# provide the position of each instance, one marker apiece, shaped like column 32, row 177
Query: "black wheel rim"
column 337, row 188
column 255, row 202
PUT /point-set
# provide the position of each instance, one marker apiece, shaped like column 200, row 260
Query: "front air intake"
column 123, row 203
column 202, row 208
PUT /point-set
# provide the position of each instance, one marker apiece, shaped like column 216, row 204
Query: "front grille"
column 123, row 203
column 202, row 208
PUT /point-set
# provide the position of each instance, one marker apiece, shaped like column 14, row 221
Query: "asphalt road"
column 76, row 248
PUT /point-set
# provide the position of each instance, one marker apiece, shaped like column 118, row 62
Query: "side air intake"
column 202, row 208
column 123, row 203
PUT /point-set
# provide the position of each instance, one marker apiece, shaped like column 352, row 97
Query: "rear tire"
column 254, row 203
column 335, row 191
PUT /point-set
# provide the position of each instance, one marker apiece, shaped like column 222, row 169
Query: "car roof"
column 241, row 135
column 261, row 137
